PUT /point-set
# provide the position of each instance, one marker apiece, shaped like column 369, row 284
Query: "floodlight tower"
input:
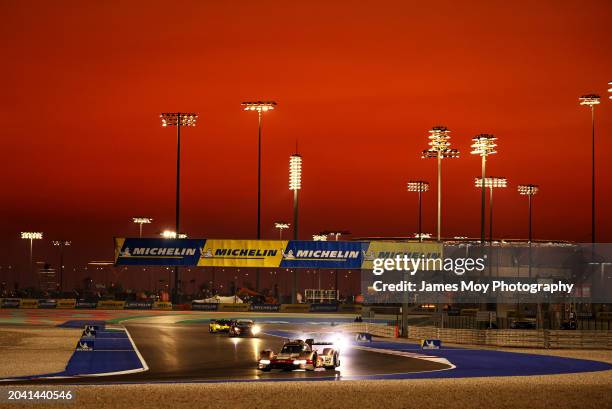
column 260, row 107
column 491, row 182
column 483, row 145
column 281, row 226
column 61, row 244
column 420, row 187
column 529, row 191
column 179, row 120
column 31, row 235
column 140, row 221
column 439, row 149
column 319, row 237
column 295, row 184
column 169, row 234
column 590, row 100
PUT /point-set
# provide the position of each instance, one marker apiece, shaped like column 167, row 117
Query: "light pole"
column 32, row 235
column 483, row 145
column 439, row 149
column 140, row 221
column 260, row 107
column 281, row 226
column 178, row 119
column 590, row 100
column 295, row 184
column 491, row 182
column 418, row 186
column 61, row 244
column 529, row 191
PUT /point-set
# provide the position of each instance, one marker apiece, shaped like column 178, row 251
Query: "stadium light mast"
column 61, row 244
column 483, row 145
column 439, row 149
column 529, row 191
column 319, row 237
column 31, row 235
column 295, row 184
column 179, row 120
column 590, row 100
column 420, row 187
column 281, row 226
column 260, row 107
column 491, row 182
column 140, row 221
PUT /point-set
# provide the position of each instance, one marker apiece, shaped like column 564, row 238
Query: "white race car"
column 298, row 354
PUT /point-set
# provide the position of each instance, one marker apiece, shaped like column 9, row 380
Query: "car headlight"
column 299, row 362
column 264, row 361
column 256, row 329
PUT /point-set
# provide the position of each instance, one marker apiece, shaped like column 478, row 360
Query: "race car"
column 243, row 328
column 299, row 354
column 219, row 326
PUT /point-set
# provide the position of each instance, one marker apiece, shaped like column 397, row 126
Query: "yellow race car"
column 219, row 326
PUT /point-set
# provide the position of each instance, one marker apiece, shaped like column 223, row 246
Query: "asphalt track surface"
column 189, row 353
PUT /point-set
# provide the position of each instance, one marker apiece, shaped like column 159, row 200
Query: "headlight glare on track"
column 256, row 329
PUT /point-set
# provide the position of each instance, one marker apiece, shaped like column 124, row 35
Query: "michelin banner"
column 264, row 253
column 324, row 254
column 242, row 253
column 157, row 252
column 386, row 250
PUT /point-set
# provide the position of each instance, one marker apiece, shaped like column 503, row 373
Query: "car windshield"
column 292, row 349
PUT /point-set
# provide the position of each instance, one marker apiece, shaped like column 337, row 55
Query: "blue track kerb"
column 482, row 362
column 112, row 352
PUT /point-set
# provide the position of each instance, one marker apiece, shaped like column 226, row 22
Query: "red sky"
column 359, row 84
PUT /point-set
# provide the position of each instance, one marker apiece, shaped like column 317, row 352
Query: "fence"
column 517, row 338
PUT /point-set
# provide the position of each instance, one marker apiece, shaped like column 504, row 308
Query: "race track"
column 169, row 349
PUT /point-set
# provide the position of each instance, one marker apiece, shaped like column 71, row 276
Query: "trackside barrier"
column 375, row 329
column 28, row 303
column 198, row 306
column 242, row 307
column 66, row 303
column 517, row 338
column 295, row 308
column 162, row 305
column 111, row 305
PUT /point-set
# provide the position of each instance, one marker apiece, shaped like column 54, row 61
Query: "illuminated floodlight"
column 492, row 182
column 281, row 226
column 178, row 119
column 319, row 237
column 528, row 190
column 63, row 243
column 439, row 144
column 484, row 144
column 170, row 234
column 422, row 236
column 142, row 220
column 295, row 172
column 417, row 186
column 439, row 148
column 259, row 106
column 31, row 235
column 589, row 100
